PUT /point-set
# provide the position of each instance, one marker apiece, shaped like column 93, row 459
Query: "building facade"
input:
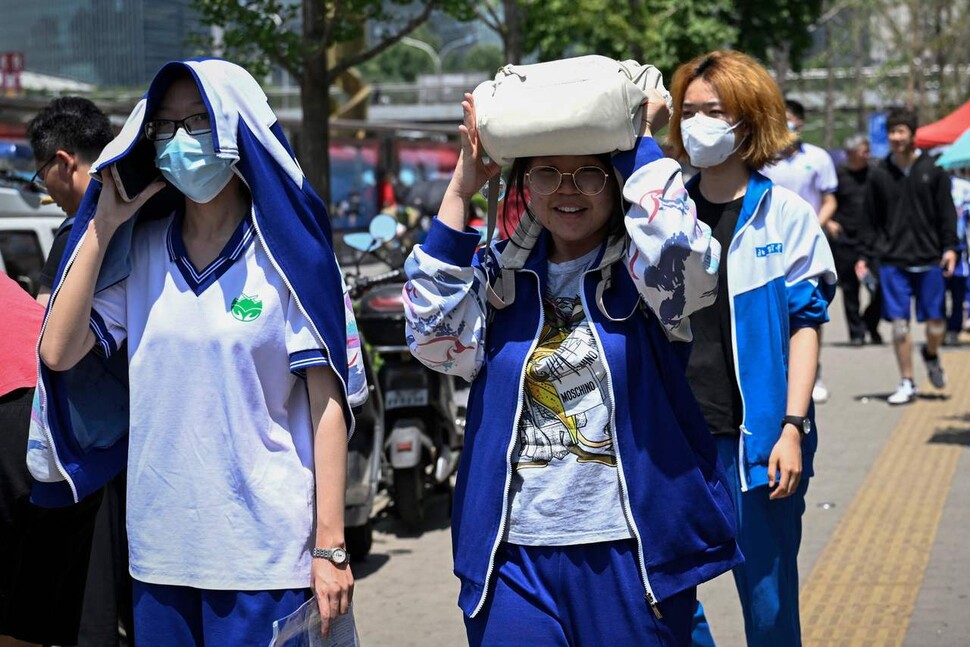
column 108, row 43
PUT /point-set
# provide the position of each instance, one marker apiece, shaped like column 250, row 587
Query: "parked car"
column 27, row 228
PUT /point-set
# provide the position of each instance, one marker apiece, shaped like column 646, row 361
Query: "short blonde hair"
column 748, row 92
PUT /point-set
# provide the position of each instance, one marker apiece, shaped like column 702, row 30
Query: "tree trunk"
column 512, row 38
column 829, row 135
column 859, row 61
column 780, row 63
column 914, row 65
column 314, row 150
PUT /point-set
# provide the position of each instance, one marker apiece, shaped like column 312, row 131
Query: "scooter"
column 424, row 411
column 364, row 465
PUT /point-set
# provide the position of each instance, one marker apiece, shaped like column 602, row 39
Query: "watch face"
column 339, row 556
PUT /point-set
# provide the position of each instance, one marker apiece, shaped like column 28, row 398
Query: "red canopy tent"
column 946, row 130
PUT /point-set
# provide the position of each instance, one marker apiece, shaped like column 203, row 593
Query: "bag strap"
column 504, row 279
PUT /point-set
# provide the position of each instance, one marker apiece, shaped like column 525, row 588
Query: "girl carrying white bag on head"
column 589, row 504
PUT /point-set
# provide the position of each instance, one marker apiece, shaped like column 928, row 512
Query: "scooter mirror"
column 383, row 228
column 361, row 241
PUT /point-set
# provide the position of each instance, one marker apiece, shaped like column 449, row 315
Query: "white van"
column 27, row 230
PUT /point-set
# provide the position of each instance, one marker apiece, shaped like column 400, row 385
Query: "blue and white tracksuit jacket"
column 637, row 298
column 781, row 276
column 79, row 425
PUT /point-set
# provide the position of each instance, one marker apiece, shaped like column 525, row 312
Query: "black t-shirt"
column 851, row 196
column 49, row 270
column 710, row 370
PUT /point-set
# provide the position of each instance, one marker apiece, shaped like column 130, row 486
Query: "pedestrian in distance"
column 588, row 504
column 956, row 285
column 752, row 368
column 240, row 364
column 66, row 137
column 912, row 234
column 809, row 171
column 850, row 224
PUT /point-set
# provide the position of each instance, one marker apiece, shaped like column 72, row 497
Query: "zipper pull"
column 654, row 606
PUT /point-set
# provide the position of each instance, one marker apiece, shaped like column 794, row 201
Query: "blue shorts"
column 588, row 594
column 184, row 616
column 899, row 286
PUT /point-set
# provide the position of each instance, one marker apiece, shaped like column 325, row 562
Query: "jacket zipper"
column 624, row 496
column 734, row 348
column 508, row 454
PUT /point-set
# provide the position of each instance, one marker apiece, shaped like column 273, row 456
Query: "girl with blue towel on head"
column 199, row 330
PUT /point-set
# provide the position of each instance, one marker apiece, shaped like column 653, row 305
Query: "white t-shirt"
column 810, row 173
column 565, row 485
column 220, row 459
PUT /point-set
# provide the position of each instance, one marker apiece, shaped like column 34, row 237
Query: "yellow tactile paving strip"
column 864, row 585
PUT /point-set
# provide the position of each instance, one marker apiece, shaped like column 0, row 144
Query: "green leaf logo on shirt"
column 246, row 308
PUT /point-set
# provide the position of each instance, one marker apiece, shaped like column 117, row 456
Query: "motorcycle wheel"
column 359, row 540
column 409, row 496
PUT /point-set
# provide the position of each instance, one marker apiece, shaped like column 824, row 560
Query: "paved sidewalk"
column 884, row 558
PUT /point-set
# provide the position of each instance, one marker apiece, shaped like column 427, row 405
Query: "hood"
column 231, row 96
column 291, row 220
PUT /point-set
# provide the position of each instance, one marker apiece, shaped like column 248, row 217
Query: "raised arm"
column 672, row 258
column 445, row 306
column 67, row 334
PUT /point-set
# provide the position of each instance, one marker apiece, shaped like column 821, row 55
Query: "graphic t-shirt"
column 565, row 484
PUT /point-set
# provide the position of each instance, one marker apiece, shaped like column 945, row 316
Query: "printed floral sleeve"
column 672, row 258
column 444, row 303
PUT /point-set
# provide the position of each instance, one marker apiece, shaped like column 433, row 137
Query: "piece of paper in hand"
column 302, row 629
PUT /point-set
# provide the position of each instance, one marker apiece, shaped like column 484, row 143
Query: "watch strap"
column 326, row 553
column 798, row 421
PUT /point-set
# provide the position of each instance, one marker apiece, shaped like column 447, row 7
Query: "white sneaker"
column 904, row 394
column 819, row 393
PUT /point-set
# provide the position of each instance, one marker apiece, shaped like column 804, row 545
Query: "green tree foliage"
column 480, row 58
column 318, row 42
column 662, row 32
column 765, row 25
column 401, row 62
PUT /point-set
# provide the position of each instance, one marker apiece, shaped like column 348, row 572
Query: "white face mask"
column 708, row 141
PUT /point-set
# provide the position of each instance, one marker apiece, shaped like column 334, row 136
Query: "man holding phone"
column 67, row 136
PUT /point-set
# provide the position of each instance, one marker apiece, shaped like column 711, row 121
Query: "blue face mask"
column 190, row 164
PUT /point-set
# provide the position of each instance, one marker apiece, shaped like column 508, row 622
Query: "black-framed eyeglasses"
column 39, row 179
column 159, row 130
column 588, row 180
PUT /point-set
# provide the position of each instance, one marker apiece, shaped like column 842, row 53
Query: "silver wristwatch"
column 336, row 555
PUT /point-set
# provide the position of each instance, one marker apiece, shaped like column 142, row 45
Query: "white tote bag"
column 576, row 106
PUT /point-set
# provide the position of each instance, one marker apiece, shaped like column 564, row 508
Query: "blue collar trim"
column 241, row 239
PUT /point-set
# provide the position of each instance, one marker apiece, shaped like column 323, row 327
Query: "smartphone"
column 135, row 171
